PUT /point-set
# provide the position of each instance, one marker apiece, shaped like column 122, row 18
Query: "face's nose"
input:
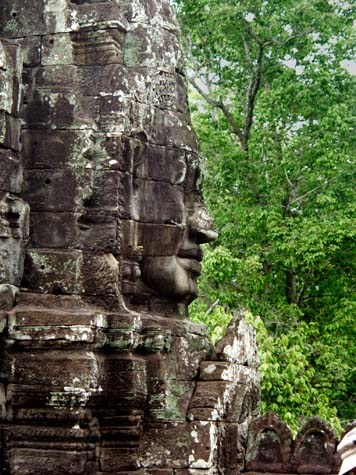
column 200, row 222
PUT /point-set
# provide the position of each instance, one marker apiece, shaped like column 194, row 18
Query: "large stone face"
column 100, row 370
column 107, row 139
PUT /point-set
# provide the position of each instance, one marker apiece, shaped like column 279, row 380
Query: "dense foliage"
column 274, row 108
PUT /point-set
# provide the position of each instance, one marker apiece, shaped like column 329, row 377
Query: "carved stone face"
column 111, row 162
column 169, row 219
column 175, row 276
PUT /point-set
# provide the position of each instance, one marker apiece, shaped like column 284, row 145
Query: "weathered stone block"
column 168, row 400
column 3, row 316
column 57, row 149
column 163, row 127
column 99, row 231
column 54, row 230
column 159, row 444
column 155, row 239
column 7, row 301
column 99, row 47
column 80, row 435
column 11, row 172
column 199, row 471
column 108, row 180
column 50, row 416
column 152, row 46
column 225, row 371
column 151, row 10
column 54, row 271
column 73, row 379
column 18, row 19
column 74, row 272
column 110, row 112
column 121, row 430
column 56, row 110
column 51, row 325
column 2, row 408
column 204, row 445
column 31, row 50
column 48, row 461
column 155, row 163
column 10, row 77
column 232, row 443
column 9, row 131
column 172, row 130
column 57, row 49
column 6, row 92
column 151, row 202
column 140, row 472
column 62, row 77
column 192, row 347
column 163, row 238
column 239, row 344
column 105, row 15
column 59, row 399
column 164, row 90
column 100, row 277
column 106, row 80
column 3, row 58
column 108, row 153
column 130, row 238
column 220, row 400
column 153, row 341
column 47, row 301
column 193, row 180
column 57, row 189
column 14, row 214
column 118, row 460
column 182, row 96
column 119, row 375
column 50, row 368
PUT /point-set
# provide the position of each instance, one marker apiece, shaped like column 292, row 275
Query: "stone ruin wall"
column 101, row 372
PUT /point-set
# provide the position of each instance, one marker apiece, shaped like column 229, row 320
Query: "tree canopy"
column 273, row 105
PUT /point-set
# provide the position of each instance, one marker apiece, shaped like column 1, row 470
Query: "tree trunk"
column 291, row 286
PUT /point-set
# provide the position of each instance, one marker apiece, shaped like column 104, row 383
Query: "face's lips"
column 193, row 253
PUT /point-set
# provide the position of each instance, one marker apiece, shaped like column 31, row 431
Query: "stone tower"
column 101, row 225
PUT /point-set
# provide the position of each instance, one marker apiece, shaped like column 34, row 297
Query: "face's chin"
column 172, row 277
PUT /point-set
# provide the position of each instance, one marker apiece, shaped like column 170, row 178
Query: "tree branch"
column 247, row 53
column 253, row 35
column 211, row 308
column 275, row 42
column 252, row 93
column 326, row 183
column 235, row 129
column 304, row 287
column 220, row 105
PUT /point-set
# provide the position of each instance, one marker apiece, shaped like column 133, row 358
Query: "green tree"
column 275, row 112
